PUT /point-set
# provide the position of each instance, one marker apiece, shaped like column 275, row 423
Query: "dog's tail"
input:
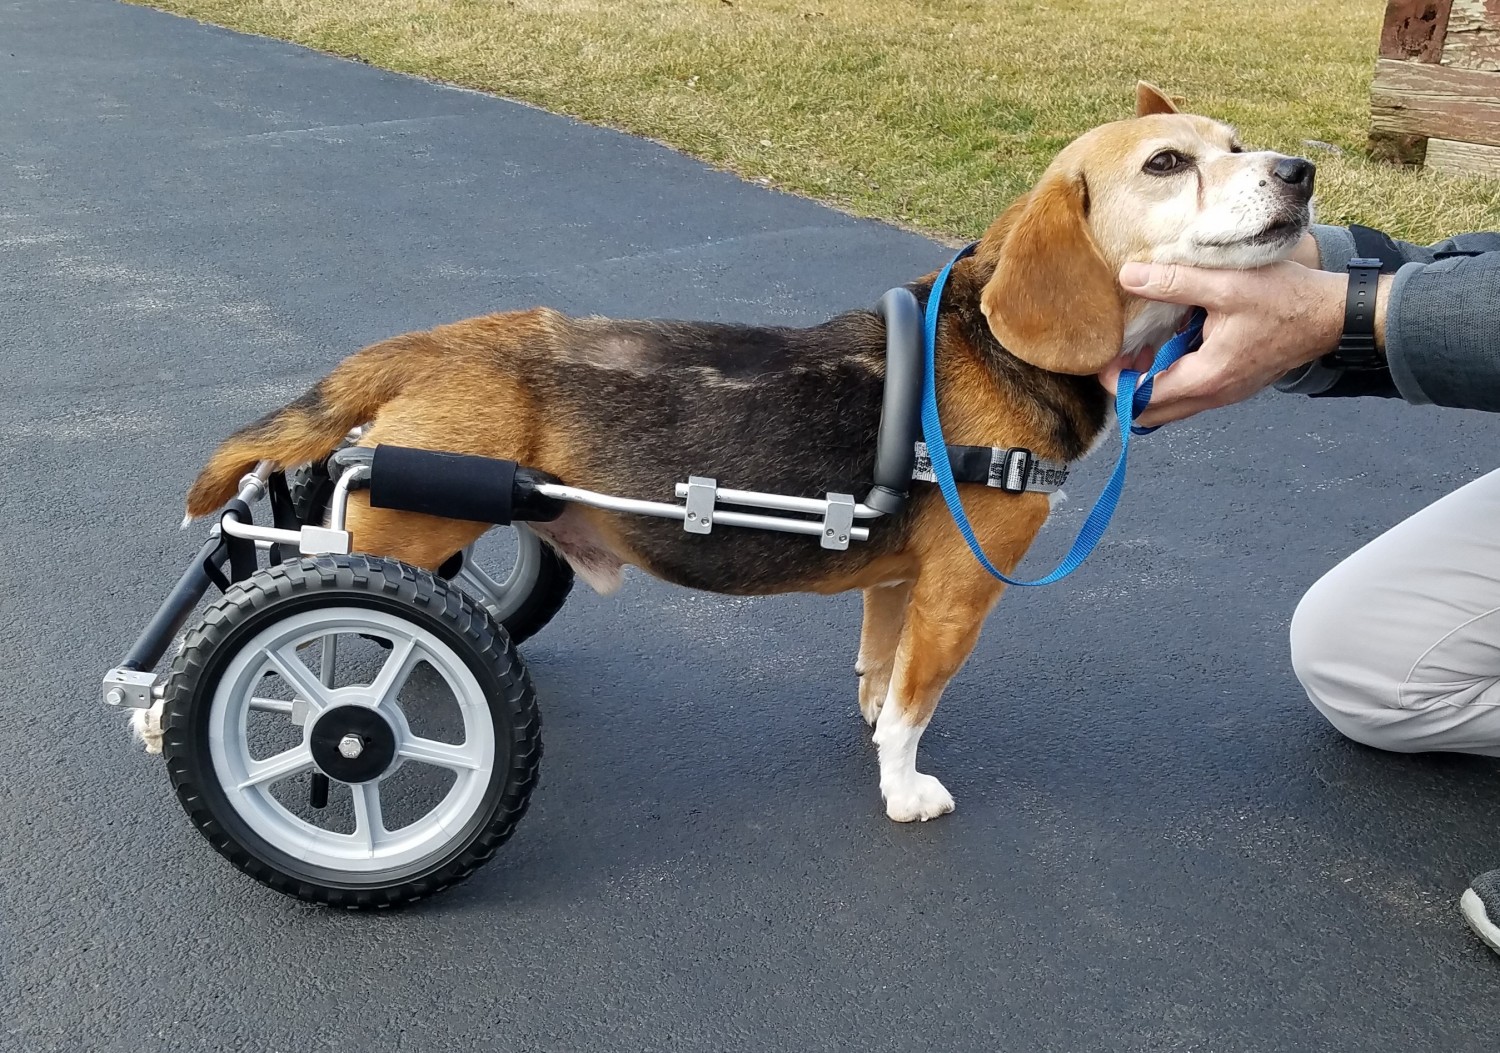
column 310, row 427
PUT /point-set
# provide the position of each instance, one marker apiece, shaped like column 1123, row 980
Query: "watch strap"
column 1356, row 348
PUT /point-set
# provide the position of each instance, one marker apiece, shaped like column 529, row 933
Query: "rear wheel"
column 337, row 771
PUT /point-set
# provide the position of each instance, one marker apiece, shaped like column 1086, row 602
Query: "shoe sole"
column 1474, row 913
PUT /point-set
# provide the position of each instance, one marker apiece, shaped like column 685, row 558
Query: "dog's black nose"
column 1296, row 172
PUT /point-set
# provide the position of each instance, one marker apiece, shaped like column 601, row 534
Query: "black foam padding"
column 900, row 411
column 451, row 485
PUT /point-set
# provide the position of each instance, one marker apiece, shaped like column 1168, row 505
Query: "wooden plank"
column 1473, row 40
column 1415, row 99
column 1414, row 30
column 1448, row 155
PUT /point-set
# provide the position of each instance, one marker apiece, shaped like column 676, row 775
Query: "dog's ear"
column 1052, row 300
column 1150, row 99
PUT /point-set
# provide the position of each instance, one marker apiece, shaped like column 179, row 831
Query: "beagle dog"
column 633, row 407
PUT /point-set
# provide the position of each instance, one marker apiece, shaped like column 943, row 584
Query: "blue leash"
column 1131, row 398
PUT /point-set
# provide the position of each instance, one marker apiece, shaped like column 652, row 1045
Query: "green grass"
column 931, row 113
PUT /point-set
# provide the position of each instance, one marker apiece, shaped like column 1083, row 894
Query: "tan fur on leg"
column 885, row 610
column 941, row 627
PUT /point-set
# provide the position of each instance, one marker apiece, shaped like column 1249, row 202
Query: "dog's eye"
column 1165, row 162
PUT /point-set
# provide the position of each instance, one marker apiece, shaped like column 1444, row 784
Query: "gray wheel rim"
column 246, row 781
column 503, row 598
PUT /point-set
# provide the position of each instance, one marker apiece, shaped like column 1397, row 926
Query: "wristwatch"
column 1356, row 348
column 1356, row 355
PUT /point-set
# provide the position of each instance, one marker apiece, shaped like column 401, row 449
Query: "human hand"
column 1260, row 325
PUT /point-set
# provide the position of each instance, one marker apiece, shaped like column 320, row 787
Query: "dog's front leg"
column 885, row 610
column 941, row 626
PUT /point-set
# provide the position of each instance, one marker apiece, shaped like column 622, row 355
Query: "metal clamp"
column 700, row 504
column 129, row 689
column 838, row 521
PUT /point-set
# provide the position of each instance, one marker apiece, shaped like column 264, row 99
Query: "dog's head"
column 1163, row 187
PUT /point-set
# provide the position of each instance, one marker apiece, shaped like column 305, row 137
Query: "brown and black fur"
column 632, row 408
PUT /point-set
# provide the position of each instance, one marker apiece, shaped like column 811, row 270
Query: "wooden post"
column 1414, row 31
column 1436, row 94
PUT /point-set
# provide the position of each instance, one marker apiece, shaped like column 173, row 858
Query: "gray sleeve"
column 1442, row 330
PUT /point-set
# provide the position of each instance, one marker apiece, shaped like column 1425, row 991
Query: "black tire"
column 312, row 488
column 383, row 585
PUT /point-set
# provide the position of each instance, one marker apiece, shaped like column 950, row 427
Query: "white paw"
column 145, row 725
column 917, row 797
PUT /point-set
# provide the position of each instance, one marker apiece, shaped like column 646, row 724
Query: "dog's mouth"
column 1286, row 228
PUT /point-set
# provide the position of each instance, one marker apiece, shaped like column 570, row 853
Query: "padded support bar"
column 459, row 486
column 900, row 410
column 173, row 613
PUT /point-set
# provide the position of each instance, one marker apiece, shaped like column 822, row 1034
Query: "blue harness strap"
column 1131, row 398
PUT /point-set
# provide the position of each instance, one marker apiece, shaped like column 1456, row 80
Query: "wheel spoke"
column 443, row 754
column 295, row 672
column 369, row 822
column 481, row 585
column 270, row 705
column 273, row 769
column 392, row 676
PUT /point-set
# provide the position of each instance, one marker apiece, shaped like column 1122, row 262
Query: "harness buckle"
column 1011, row 470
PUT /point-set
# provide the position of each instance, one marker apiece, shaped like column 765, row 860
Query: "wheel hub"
column 352, row 743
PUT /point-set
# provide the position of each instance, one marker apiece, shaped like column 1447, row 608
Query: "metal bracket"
column 320, row 541
column 700, row 504
column 129, row 689
column 301, row 708
column 838, row 521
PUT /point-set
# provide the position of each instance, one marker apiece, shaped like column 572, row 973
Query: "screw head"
column 351, row 746
column 116, row 697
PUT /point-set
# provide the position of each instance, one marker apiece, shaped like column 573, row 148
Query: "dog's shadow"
column 711, row 753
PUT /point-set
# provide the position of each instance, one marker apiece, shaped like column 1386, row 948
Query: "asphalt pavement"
column 1158, row 844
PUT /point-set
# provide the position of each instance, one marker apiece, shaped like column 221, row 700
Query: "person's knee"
column 1320, row 633
column 1331, row 659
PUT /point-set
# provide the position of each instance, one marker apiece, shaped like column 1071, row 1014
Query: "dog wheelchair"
column 355, row 731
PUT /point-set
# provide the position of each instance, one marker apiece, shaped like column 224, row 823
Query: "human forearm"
column 1442, row 332
column 1437, row 320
